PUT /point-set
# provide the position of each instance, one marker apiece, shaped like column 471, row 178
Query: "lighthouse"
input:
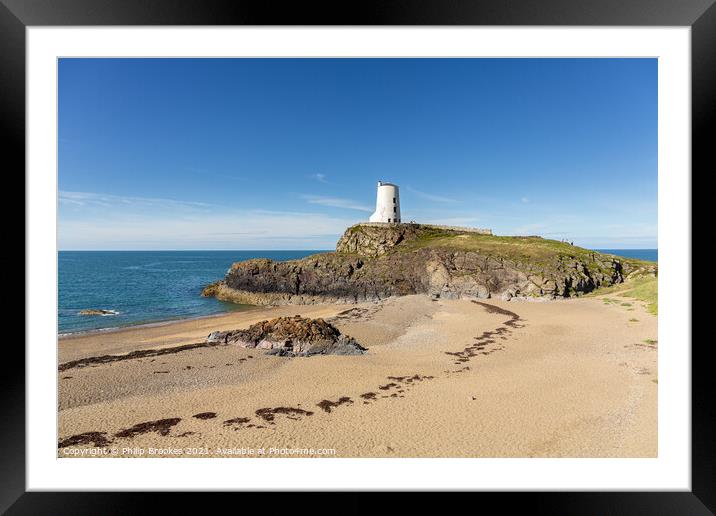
column 387, row 204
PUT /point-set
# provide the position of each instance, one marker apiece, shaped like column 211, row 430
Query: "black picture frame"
column 700, row 15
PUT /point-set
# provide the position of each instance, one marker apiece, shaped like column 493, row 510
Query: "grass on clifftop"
column 644, row 289
column 532, row 248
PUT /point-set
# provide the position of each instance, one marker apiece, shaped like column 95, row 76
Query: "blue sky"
column 285, row 153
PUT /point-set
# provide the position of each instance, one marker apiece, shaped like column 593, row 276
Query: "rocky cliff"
column 374, row 261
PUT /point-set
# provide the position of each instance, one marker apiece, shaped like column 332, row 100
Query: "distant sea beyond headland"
column 651, row 255
column 154, row 286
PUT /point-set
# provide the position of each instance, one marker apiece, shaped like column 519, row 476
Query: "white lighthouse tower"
column 387, row 204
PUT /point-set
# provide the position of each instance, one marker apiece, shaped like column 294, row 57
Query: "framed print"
column 411, row 249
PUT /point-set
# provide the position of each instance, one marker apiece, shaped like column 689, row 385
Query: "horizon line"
column 293, row 250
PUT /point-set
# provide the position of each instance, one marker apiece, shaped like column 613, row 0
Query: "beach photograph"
column 357, row 258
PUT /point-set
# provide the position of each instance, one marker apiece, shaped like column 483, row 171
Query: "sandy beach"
column 441, row 378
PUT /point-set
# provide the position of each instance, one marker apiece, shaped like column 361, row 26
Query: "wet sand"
column 571, row 378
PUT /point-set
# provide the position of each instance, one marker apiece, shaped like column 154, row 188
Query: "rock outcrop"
column 97, row 311
column 373, row 262
column 376, row 239
column 291, row 336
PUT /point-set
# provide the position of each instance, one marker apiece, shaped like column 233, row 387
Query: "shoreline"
column 117, row 329
column 254, row 308
column 176, row 332
column 297, row 307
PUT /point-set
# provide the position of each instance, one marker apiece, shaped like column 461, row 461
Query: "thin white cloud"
column 336, row 202
column 321, row 178
column 239, row 229
column 91, row 199
column 431, row 197
column 98, row 221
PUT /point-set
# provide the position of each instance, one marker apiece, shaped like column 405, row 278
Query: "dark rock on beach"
column 97, row 311
column 291, row 336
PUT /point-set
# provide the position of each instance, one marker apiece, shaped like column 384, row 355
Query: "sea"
column 142, row 287
column 650, row 255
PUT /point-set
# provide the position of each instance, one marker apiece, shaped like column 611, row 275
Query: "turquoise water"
column 144, row 286
column 651, row 255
